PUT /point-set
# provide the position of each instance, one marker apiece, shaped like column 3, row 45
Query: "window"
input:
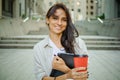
column 87, row 1
column 91, row 7
column 79, row 10
column 87, row 13
column 87, row 7
column 72, row 9
column 91, row 13
column 91, row 1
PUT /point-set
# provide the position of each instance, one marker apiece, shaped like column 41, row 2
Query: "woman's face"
column 57, row 22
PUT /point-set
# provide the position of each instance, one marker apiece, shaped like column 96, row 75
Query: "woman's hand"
column 59, row 64
column 77, row 75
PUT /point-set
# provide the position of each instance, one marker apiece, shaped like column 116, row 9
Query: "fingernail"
column 57, row 59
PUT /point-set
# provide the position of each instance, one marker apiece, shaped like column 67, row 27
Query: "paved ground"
column 17, row 64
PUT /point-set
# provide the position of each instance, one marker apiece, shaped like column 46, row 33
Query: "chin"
column 58, row 32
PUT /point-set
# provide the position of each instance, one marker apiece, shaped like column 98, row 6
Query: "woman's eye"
column 64, row 19
column 55, row 18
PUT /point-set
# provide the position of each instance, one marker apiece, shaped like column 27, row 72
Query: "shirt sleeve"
column 81, row 46
column 84, row 47
column 38, row 68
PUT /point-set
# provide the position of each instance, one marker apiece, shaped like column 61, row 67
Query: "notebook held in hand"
column 72, row 61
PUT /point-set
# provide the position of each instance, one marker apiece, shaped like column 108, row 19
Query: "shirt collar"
column 46, row 44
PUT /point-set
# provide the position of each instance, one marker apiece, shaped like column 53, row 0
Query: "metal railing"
column 108, row 20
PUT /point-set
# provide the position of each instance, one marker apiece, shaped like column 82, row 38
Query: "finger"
column 83, row 72
column 56, row 58
column 81, row 76
column 84, row 75
column 79, row 68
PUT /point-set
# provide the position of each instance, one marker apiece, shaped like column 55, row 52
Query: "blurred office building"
column 107, row 9
column 79, row 9
column 93, row 17
column 15, row 8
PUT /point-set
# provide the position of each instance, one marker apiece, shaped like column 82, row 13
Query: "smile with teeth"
column 58, row 27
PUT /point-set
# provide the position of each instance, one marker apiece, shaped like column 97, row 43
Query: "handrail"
column 107, row 20
column 100, row 20
column 113, row 19
column 27, row 18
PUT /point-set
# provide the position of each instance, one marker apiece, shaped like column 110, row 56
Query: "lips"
column 58, row 28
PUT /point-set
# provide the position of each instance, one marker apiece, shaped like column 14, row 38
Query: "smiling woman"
column 61, row 39
column 57, row 22
column 62, row 16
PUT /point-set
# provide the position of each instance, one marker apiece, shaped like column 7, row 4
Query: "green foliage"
column 101, row 16
column 23, row 16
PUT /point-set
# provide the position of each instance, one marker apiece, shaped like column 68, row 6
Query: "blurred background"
column 22, row 25
column 91, row 17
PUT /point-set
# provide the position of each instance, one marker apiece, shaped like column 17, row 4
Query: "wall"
column 16, row 9
column 94, row 27
column 110, row 28
column 16, row 27
column 0, row 8
column 110, row 9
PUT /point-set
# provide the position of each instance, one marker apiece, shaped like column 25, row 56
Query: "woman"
column 61, row 39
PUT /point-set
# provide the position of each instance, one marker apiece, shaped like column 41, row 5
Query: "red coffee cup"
column 81, row 61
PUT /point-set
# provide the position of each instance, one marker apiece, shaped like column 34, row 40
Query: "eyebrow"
column 54, row 15
column 57, row 16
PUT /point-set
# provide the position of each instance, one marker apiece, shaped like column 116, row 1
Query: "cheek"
column 51, row 24
column 65, row 25
column 50, row 27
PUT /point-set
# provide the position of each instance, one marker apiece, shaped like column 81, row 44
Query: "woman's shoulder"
column 79, row 40
column 41, row 43
column 80, row 43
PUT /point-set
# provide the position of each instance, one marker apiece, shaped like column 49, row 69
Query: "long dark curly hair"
column 69, row 34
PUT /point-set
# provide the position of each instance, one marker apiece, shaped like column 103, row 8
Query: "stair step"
column 92, row 42
column 99, row 38
column 103, row 42
column 18, row 41
column 91, row 47
column 102, row 39
column 35, row 41
column 21, row 46
column 40, row 37
column 103, row 47
column 24, row 37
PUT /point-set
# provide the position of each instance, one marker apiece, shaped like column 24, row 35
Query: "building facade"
column 15, row 8
column 79, row 9
column 110, row 9
column 0, row 9
column 91, row 9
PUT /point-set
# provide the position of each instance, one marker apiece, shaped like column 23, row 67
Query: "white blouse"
column 56, row 50
column 44, row 52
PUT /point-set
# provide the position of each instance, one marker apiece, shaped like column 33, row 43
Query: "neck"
column 56, row 38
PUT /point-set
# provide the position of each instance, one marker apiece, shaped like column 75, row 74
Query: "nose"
column 59, row 22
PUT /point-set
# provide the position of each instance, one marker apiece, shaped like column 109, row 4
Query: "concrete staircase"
column 27, row 42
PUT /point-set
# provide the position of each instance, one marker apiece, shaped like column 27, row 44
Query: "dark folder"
column 69, row 59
